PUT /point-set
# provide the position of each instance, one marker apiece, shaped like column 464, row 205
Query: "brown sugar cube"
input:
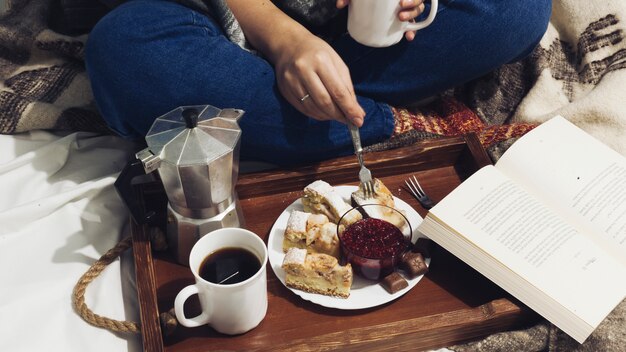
column 413, row 264
column 394, row 282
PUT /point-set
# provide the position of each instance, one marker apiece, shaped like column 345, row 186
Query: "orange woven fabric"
column 450, row 117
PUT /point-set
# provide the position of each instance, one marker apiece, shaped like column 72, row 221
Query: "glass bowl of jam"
column 374, row 245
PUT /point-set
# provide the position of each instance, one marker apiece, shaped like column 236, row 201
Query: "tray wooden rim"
column 255, row 184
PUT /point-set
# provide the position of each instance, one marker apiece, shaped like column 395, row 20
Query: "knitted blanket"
column 43, row 83
column 577, row 71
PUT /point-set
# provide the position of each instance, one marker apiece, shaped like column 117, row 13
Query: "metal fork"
column 419, row 193
column 365, row 176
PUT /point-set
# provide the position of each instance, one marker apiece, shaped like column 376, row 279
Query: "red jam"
column 373, row 238
column 373, row 247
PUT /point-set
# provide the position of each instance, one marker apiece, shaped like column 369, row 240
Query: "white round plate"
column 364, row 293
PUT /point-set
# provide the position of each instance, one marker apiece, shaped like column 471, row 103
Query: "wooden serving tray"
column 451, row 304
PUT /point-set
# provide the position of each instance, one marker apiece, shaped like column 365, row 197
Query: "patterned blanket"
column 578, row 71
column 43, row 80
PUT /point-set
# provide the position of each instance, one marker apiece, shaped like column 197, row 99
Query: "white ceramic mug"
column 375, row 22
column 228, row 308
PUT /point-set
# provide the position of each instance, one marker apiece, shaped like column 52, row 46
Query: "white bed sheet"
column 59, row 213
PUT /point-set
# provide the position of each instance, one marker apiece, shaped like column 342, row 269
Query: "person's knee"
column 109, row 35
column 106, row 56
column 122, row 55
column 98, row 39
column 529, row 26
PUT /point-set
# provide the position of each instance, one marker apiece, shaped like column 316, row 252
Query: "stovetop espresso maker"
column 195, row 150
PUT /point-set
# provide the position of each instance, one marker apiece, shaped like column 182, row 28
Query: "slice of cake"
column 321, row 198
column 311, row 231
column 317, row 273
column 382, row 196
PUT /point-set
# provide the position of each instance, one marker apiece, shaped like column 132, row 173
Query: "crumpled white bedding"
column 59, row 212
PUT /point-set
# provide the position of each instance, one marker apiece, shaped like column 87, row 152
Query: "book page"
column 576, row 174
column 509, row 224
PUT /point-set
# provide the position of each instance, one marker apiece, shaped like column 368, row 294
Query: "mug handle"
column 414, row 26
column 179, row 303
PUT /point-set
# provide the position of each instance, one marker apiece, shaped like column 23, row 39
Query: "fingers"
column 345, row 96
column 331, row 91
column 316, row 70
column 295, row 92
column 322, row 99
column 319, row 104
column 409, row 9
column 409, row 14
column 332, row 96
column 342, row 3
column 406, row 4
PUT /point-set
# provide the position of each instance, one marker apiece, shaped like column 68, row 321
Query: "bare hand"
column 312, row 67
column 409, row 10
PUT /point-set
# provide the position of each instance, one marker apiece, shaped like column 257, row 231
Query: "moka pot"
column 195, row 150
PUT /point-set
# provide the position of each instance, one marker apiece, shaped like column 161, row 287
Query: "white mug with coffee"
column 375, row 22
column 229, row 266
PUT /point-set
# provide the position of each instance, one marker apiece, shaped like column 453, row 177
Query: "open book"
column 547, row 223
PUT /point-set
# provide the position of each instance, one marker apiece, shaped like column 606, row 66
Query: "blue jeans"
column 148, row 57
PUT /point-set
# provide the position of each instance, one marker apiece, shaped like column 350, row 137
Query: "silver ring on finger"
column 307, row 96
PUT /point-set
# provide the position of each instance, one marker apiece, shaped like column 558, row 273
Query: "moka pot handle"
column 145, row 163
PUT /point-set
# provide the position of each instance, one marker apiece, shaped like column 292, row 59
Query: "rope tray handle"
column 167, row 319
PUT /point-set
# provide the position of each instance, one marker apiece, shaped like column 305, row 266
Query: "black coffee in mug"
column 229, row 266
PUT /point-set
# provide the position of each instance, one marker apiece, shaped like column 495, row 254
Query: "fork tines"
column 368, row 189
column 417, row 191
